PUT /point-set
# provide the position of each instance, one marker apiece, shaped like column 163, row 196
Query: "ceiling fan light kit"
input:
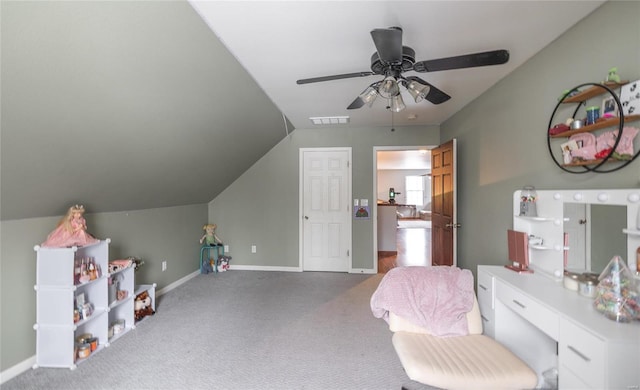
column 391, row 59
column 389, row 88
column 369, row 96
column 418, row 91
column 396, row 104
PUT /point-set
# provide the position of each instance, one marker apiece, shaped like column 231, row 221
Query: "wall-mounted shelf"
column 591, row 92
column 579, row 95
column 599, row 125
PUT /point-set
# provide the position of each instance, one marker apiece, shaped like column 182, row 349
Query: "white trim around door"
column 325, row 220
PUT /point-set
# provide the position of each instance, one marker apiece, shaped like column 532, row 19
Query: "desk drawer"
column 485, row 291
column 538, row 315
column 582, row 353
column 486, row 302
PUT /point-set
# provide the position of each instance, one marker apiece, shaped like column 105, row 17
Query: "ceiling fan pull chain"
column 392, row 128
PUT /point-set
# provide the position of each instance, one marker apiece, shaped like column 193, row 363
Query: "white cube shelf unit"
column 151, row 290
column 56, row 291
column 121, row 311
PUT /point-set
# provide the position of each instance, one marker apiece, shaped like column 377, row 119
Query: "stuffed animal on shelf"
column 70, row 231
column 210, row 237
column 142, row 306
column 613, row 76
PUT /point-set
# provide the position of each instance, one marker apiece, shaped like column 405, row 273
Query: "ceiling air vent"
column 329, row 120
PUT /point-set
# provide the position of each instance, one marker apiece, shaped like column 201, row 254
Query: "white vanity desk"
column 549, row 326
column 530, row 313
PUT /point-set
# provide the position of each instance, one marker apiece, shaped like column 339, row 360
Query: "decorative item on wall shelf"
column 609, row 108
column 616, row 142
column 593, row 114
column 613, row 76
column 630, row 98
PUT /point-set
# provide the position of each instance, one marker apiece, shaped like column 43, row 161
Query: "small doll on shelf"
column 70, row 231
column 613, row 76
column 210, row 238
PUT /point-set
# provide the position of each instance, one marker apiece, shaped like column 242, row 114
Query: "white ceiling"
column 279, row 42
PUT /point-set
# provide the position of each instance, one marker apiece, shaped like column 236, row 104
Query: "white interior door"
column 326, row 209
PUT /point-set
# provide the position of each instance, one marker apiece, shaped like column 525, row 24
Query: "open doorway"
column 402, row 183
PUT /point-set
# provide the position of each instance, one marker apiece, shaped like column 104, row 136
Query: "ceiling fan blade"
column 356, row 104
column 334, row 77
column 434, row 95
column 388, row 43
column 486, row 58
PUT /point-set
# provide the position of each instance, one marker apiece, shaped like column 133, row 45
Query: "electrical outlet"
column 254, row 249
column 226, row 249
column 164, row 266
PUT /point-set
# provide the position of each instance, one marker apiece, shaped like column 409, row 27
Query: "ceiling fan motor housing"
column 408, row 59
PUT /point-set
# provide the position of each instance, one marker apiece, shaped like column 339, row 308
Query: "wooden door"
column 326, row 210
column 443, row 202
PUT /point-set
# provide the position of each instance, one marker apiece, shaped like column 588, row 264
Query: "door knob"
column 305, row 217
column 582, row 221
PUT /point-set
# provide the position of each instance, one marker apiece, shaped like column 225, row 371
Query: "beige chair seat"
column 473, row 361
column 463, row 362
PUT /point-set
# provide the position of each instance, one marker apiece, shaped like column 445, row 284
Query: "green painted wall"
column 154, row 235
column 502, row 143
column 261, row 207
column 502, row 146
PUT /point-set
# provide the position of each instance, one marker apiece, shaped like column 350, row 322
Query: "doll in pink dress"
column 71, row 231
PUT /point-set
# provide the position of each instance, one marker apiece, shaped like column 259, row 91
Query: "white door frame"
column 374, row 198
column 349, row 229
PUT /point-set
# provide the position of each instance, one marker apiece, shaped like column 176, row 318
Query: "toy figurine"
column 210, row 237
column 613, row 76
column 70, row 231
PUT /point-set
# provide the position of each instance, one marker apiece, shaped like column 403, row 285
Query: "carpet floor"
column 246, row 330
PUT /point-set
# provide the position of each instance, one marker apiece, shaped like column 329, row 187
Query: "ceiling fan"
column 391, row 59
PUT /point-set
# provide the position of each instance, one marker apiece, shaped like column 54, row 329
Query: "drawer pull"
column 483, row 287
column 519, row 304
column 584, row 357
column 485, row 319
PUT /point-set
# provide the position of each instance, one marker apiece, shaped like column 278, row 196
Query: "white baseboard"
column 177, row 283
column 362, row 271
column 18, row 369
column 263, row 268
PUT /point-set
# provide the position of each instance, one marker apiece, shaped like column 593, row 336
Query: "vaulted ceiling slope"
column 122, row 105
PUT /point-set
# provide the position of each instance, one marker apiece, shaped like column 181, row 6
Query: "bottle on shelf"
column 528, row 197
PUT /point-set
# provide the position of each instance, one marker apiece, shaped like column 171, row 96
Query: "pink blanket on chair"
column 435, row 298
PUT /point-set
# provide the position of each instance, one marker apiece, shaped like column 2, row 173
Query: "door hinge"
column 347, row 252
